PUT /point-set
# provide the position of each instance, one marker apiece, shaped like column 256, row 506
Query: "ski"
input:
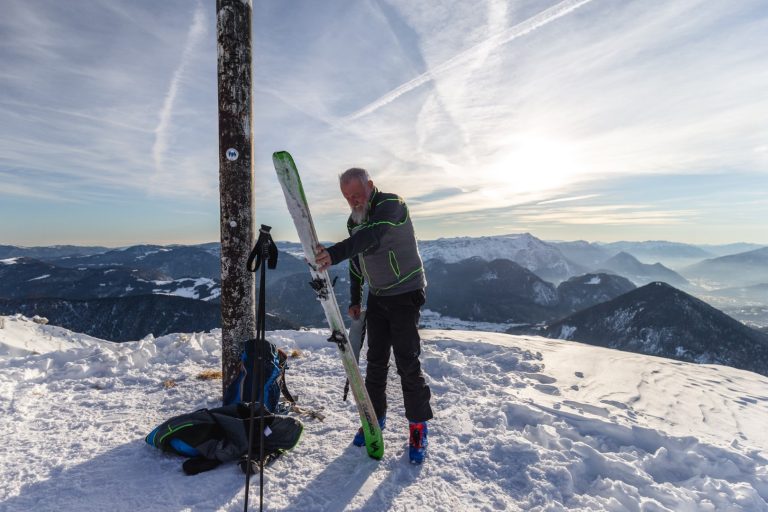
column 321, row 283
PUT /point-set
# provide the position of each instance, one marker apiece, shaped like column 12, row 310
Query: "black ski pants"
column 393, row 326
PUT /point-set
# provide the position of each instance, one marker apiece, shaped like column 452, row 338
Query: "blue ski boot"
column 417, row 441
column 359, row 439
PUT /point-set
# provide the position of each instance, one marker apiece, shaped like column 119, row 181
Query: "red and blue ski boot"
column 417, row 441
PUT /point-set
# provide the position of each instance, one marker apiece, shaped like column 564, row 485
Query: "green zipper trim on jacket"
column 171, row 431
column 407, row 215
column 400, row 281
column 370, row 225
column 393, row 263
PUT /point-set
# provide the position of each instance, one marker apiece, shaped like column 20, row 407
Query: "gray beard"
column 358, row 216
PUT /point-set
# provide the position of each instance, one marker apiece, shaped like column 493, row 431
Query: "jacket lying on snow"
column 221, row 434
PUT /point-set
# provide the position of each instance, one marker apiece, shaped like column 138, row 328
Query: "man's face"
column 356, row 194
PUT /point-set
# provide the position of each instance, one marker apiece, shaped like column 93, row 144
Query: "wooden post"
column 238, row 319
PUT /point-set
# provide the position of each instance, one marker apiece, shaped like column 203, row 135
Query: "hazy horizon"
column 282, row 240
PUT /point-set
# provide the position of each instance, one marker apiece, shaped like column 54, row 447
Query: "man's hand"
column 322, row 258
column 354, row 312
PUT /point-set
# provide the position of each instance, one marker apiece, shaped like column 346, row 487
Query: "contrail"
column 499, row 39
column 194, row 36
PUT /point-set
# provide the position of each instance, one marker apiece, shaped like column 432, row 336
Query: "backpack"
column 274, row 365
column 212, row 436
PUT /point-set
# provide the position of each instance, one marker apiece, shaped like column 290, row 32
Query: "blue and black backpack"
column 274, row 365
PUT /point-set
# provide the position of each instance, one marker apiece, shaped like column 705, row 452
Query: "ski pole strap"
column 265, row 249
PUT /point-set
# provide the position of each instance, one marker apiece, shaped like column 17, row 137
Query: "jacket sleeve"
column 387, row 213
column 356, row 281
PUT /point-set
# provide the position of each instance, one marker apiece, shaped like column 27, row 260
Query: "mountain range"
column 506, row 280
column 129, row 318
column 541, row 258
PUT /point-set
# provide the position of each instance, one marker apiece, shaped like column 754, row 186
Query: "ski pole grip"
column 265, row 249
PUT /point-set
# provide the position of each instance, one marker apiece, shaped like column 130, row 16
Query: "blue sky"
column 581, row 119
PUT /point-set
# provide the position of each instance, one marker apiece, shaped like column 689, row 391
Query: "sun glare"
column 533, row 164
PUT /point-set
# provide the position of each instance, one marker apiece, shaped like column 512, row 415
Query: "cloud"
column 163, row 134
column 469, row 110
column 568, row 199
column 80, row 108
column 521, row 29
column 11, row 188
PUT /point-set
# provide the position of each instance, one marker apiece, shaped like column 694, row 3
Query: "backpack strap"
column 283, row 365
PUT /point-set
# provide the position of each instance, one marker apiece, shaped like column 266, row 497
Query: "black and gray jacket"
column 382, row 250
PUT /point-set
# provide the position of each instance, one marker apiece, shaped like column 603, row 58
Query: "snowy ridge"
column 522, row 423
column 524, row 249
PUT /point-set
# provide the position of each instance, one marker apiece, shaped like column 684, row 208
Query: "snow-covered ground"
column 433, row 320
column 522, row 423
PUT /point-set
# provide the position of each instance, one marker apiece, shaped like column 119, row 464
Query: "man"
column 382, row 251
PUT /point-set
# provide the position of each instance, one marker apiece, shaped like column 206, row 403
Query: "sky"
column 600, row 120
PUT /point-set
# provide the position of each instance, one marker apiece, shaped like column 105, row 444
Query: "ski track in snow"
column 522, row 423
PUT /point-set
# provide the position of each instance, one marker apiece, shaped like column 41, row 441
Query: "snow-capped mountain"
column 144, row 270
column 22, row 278
column 658, row 319
column 539, row 257
column 173, row 261
column 523, row 423
column 583, row 253
column 49, row 252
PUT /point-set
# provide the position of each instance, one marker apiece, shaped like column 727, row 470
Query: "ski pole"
column 265, row 251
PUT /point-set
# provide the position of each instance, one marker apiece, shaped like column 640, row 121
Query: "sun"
column 533, row 163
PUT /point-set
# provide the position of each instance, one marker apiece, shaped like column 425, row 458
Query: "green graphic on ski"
column 290, row 181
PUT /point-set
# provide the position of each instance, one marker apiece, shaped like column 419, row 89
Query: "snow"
column 434, row 320
column 188, row 287
column 567, row 331
column 522, row 423
column 543, row 294
column 524, row 249
column 44, row 276
column 594, row 280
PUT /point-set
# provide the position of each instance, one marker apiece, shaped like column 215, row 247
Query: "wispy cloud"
column 568, row 199
column 525, row 27
column 163, row 133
